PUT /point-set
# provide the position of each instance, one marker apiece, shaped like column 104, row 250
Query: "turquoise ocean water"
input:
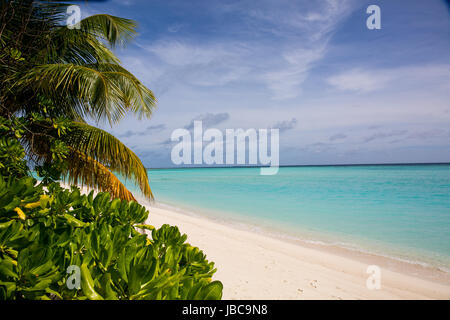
column 392, row 210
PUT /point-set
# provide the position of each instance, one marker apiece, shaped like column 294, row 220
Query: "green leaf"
column 212, row 291
column 87, row 284
column 74, row 222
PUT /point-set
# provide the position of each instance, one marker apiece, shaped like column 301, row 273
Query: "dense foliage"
column 52, row 81
column 43, row 233
column 59, row 81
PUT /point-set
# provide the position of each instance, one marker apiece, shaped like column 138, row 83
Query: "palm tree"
column 51, row 71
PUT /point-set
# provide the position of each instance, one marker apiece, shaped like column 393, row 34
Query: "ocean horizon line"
column 305, row 165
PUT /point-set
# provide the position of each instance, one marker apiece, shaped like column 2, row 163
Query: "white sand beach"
column 254, row 266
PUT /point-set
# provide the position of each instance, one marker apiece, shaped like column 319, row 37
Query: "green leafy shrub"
column 11, row 157
column 12, row 152
column 45, row 232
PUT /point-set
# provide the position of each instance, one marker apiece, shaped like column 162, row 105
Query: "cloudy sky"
column 339, row 92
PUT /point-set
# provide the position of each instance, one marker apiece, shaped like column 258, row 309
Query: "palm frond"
column 114, row 30
column 73, row 74
column 77, row 47
column 87, row 172
column 109, row 151
column 103, row 91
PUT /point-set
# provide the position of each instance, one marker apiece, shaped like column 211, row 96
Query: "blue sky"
column 341, row 93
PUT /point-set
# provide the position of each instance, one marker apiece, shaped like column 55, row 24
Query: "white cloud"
column 204, row 65
column 281, row 66
column 360, row 80
column 176, row 53
column 175, row 27
column 286, row 83
column 312, row 30
column 125, row 2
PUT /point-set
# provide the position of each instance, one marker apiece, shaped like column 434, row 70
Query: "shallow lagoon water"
column 400, row 211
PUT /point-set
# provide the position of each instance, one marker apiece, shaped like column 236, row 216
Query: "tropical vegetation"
column 43, row 234
column 57, row 81
column 57, row 243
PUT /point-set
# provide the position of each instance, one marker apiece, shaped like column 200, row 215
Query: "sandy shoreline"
column 255, row 266
column 252, row 265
